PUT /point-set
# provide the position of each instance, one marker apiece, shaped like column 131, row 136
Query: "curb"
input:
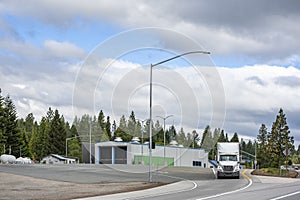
column 152, row 192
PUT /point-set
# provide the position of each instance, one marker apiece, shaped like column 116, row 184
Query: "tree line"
column 29, row 138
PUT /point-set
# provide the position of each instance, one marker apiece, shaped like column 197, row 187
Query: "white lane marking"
column 287, row 195
column 171, row 192
column 230, row 192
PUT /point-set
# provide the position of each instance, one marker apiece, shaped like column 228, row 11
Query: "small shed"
column 58, row 159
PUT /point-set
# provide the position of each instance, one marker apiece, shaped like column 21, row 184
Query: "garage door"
column 120, row 155
column 105, row 155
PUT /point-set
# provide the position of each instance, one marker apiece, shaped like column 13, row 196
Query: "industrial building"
column 134, row 153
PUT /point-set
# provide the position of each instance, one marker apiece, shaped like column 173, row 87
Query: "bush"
column 275, row 172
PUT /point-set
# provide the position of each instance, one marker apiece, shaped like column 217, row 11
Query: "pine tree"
column 114, row 128
column 226, row 138
column 11, row 132
column 181, row 137
column 196, row 139
column 222, row 137
column 57, row 134
column 33, row 143
column 279, row 139
column 74, row 145
column 262, row 153
column 158, row 133
column 108, row 128
column 207, row 141
column 172, row 133
column 101, row 120
column 235, row 138
column 2, row 138
column 131, row 124
column 122, row 130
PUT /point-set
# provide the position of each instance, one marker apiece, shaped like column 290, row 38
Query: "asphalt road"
column 198, row 183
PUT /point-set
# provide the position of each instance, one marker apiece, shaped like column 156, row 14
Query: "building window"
column 197, row 163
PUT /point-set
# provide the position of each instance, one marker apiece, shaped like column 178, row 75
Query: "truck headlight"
column 236, row 168
column 220, row 168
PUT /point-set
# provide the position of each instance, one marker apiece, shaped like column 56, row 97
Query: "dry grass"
column 25, row 188
column 275, row 172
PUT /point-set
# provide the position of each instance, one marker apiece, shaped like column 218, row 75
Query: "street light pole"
column 67, row 139
column 142, row 134
column 164, row 118
column 150, row 112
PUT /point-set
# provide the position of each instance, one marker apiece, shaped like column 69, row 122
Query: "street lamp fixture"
column 150, row 118
column 142, row 135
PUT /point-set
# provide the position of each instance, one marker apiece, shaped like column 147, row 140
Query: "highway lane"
column 203, row 189
column 247, row 188
column 267, row 188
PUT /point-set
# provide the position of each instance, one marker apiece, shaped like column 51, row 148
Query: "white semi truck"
column 228, row 159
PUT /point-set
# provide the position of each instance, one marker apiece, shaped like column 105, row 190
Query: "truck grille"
column 228, row 168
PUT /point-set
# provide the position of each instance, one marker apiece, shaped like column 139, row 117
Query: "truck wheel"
column 218, row 176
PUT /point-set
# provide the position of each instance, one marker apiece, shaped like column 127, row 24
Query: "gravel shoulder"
column 24, row 187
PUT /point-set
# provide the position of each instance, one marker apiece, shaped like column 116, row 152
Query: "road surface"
column 186, row 183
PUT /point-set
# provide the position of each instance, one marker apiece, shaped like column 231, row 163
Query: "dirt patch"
column 25, row 188
column 263, row 172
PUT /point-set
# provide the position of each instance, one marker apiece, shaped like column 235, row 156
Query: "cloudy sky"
column 82, row 57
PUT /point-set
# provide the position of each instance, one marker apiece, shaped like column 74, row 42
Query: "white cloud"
column 39, row 77
column 255, row 29
column 63, row 49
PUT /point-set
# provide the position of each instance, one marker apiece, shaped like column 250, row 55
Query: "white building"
column 58, row 159
column 113, row 152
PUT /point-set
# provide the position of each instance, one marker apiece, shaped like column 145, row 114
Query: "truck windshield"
column 228, row 158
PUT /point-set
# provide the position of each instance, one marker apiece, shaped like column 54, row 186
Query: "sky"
column 83, row 57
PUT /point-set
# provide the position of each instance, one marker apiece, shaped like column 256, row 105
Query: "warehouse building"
column 134, row 153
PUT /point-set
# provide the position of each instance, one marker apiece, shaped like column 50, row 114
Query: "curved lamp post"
column 150, row 118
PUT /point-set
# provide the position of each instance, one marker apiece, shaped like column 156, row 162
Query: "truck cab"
column 228, row 160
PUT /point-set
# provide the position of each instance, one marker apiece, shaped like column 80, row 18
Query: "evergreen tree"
column 181, row 137
column 196, row 139
column 108, row 128
column 222, row 137
column 57, row 135
column 172, row 133
column 131, row 124
column 279, row 139
column 207, row 139
column 122, row 130
column 216, row 136
column 74, row 145
column 11, row 133
column 2, row 138
column 101, row 120
column 29, row 123
column 262, row 151
column 33, row 143
column 235, row 138
column 114, row 128
column 139, row 130
column 158, row 133
column 189, row 140
column 24, row 148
